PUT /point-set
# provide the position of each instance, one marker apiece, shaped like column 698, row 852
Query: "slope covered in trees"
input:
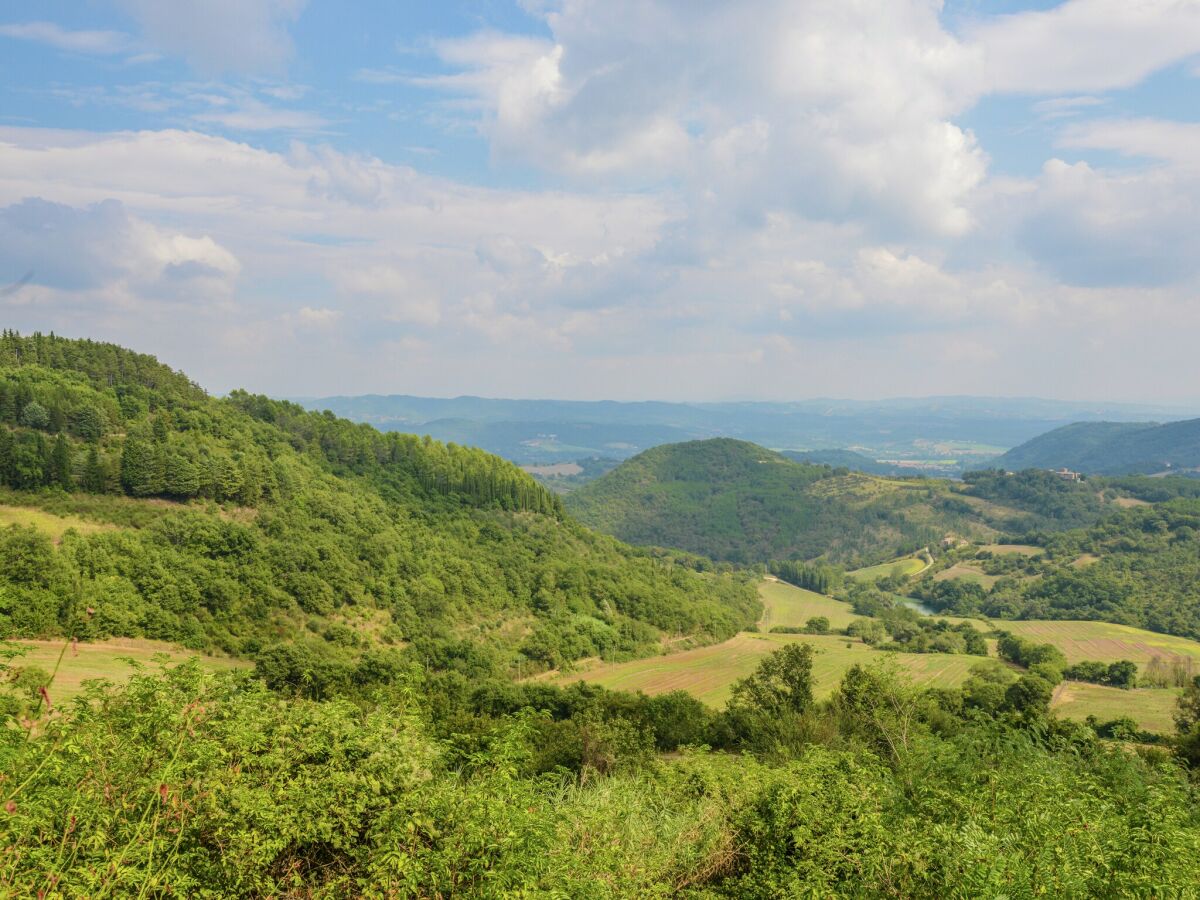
column 1111, row 448
column 259, row 521
column 736, row 501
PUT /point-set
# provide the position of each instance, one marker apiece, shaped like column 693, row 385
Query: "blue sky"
column 674, row 199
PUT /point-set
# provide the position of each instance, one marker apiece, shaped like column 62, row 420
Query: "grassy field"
column 1151, row 708
column 1102, row 641
column 708, row 673
column 105, row 659
column 50, row 523
column 908, row 566
column 787, row 605
column 1008, row 549
column 967, row 572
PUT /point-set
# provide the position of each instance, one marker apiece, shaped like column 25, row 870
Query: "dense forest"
column 735, row 501
column 257, row 521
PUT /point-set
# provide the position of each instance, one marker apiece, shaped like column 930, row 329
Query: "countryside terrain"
column 253, row 650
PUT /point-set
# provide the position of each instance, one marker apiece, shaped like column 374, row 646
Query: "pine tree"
column 94, row 479
column 7, row 470
column 60, row 465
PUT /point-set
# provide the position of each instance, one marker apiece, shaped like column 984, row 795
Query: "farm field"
column 908, row 566
column 106, row 659
column 789, row 606
column 47, row 522
column 1151, row 708
column 1101, row 641
column 967, row 572
column 708, row 673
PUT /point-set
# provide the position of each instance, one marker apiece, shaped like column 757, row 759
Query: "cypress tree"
column 93, row 473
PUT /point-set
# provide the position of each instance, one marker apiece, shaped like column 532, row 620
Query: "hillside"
column 1111, row 448
column 736, row 501
column 254, row 527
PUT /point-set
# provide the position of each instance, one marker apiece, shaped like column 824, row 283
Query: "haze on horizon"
column 630, row 200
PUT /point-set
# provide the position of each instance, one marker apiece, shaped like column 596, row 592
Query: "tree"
column 60, row 464
column 1187, row 723
column 1029, row 696
column 34, row 415
column 783, row 682
column 94, row 480
column 817, row 625
column 88, row 423
column 141, row 467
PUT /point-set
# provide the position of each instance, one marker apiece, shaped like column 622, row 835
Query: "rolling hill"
column 1111, row 448
column 143, row 508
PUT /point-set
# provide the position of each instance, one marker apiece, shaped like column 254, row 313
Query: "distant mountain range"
column 941, row 435
column 1111, row 448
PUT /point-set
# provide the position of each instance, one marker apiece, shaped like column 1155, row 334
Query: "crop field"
column 708, row 673
column 49, row 523
column 1151, row 708
column 910, row 565
column 105, row 659
column 787, row 605
column 1102, row 641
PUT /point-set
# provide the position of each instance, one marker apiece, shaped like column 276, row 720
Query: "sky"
column 613, row 199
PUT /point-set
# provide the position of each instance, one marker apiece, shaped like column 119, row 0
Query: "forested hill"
column 736, row 501
column 237, row 523
column 1111, row 448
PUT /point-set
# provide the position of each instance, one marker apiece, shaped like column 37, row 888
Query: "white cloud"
column 103, row 247
column 220, row 35
column 98, row 42
column 1083, row 45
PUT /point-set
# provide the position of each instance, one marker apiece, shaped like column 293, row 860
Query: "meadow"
column 114, row 660
column 908, row 566
column 791, row 607
column 708, row 673
column 53, row 524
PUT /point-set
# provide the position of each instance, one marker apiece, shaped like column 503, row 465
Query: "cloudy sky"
column 628, row 199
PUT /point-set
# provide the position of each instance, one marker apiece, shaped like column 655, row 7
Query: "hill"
column 736, row 501
column 943, row 435
column 144, row 508
column 1111, row 448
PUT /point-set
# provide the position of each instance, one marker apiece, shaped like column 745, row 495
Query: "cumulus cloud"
column 102, row 245
column 818, row 107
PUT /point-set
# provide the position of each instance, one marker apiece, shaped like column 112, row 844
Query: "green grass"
column 966, row 572
column 708, row 673
column 909, row 565
column 1151, row 708
column 787, row 605
column 105, row 659
column 53, row 524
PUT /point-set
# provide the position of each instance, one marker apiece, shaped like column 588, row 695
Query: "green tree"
column 783, row 682
column 141, row 467
column 94, row 478
column 34, row 415
column 60, row 464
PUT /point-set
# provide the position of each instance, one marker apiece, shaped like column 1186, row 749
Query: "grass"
column 1101, row 641
column 1008, row 549
column 1151, row 708
column 105, row 659
column 708, row 673
column 787, row 605
column 53, row 524
column 910, row 565
column 967, row 572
